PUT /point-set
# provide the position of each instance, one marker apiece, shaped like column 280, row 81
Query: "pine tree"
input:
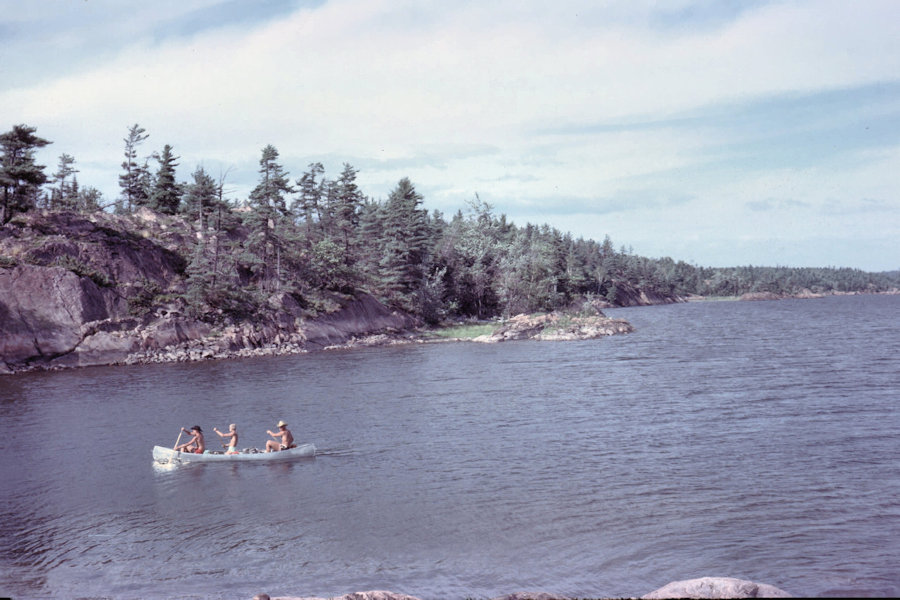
column 65, row 196
column 529, row 272
column 266, row 219
column 20, row 177
column 309, row 203
column 368, row 240
column 469, row 250
column 166, row 194
column 134, row 182
column 348, row 204
column 87, row 198
column 213, row 281
column 201, row 197
column 405, row 246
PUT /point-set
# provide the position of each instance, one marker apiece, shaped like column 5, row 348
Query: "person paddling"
column 196, row 444
column 231, row 446
column 287, row 439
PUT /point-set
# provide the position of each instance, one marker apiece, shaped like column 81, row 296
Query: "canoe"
column 167, row 455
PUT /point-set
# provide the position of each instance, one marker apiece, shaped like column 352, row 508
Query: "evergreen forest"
column 317, row 234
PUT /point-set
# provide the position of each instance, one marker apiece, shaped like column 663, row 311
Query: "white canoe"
column 167, row 455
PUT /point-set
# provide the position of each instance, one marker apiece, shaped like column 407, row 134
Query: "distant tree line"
column 313, row 234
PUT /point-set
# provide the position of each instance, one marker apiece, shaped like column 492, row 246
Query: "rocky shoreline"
column 173, row 338
column 78, row 291
column 56, row 320
column 51, row 319
column 704, row 587
column 48, row 321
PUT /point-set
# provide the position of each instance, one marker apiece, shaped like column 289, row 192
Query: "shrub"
column 148, row 294
column 82, row 270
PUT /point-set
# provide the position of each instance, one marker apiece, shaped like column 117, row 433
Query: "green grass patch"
column 464, row 331
column 720, row 298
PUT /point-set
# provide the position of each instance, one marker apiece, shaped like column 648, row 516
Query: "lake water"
column 740, row 439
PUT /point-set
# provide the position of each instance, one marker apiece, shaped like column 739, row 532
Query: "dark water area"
column 756, row 440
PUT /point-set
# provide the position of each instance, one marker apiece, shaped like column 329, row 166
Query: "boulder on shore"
column 531, row 596
column 717, row 587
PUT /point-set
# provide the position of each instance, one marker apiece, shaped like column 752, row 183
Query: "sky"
column 717, row 132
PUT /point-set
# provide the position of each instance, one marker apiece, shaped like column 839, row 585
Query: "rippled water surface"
column 751, row 440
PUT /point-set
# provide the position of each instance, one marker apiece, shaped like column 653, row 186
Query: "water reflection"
column 165, row 467
column 596, row 468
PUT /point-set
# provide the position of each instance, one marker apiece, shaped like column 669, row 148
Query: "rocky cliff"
column 74, row 292
column 628, row 295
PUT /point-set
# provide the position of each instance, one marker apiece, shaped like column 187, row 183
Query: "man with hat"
column 287, row 439
column 196, row 444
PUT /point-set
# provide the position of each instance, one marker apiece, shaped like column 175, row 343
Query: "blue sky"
column 716, row 132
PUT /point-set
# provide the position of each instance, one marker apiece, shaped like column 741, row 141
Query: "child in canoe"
column 231, row 446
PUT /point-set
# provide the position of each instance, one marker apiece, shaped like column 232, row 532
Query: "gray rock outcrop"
column 47, row 312
column 556, row 327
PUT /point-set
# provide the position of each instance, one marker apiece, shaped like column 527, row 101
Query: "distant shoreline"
column 548, row 327
column 760, row 296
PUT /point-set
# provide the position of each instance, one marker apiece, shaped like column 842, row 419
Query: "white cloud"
column 461, row 93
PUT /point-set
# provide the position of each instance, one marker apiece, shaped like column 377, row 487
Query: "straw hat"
column 282, row 424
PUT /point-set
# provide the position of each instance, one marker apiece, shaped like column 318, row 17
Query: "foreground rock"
column 373, row 595
column 705, row 587
column 532, row 596
column 717, row 587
